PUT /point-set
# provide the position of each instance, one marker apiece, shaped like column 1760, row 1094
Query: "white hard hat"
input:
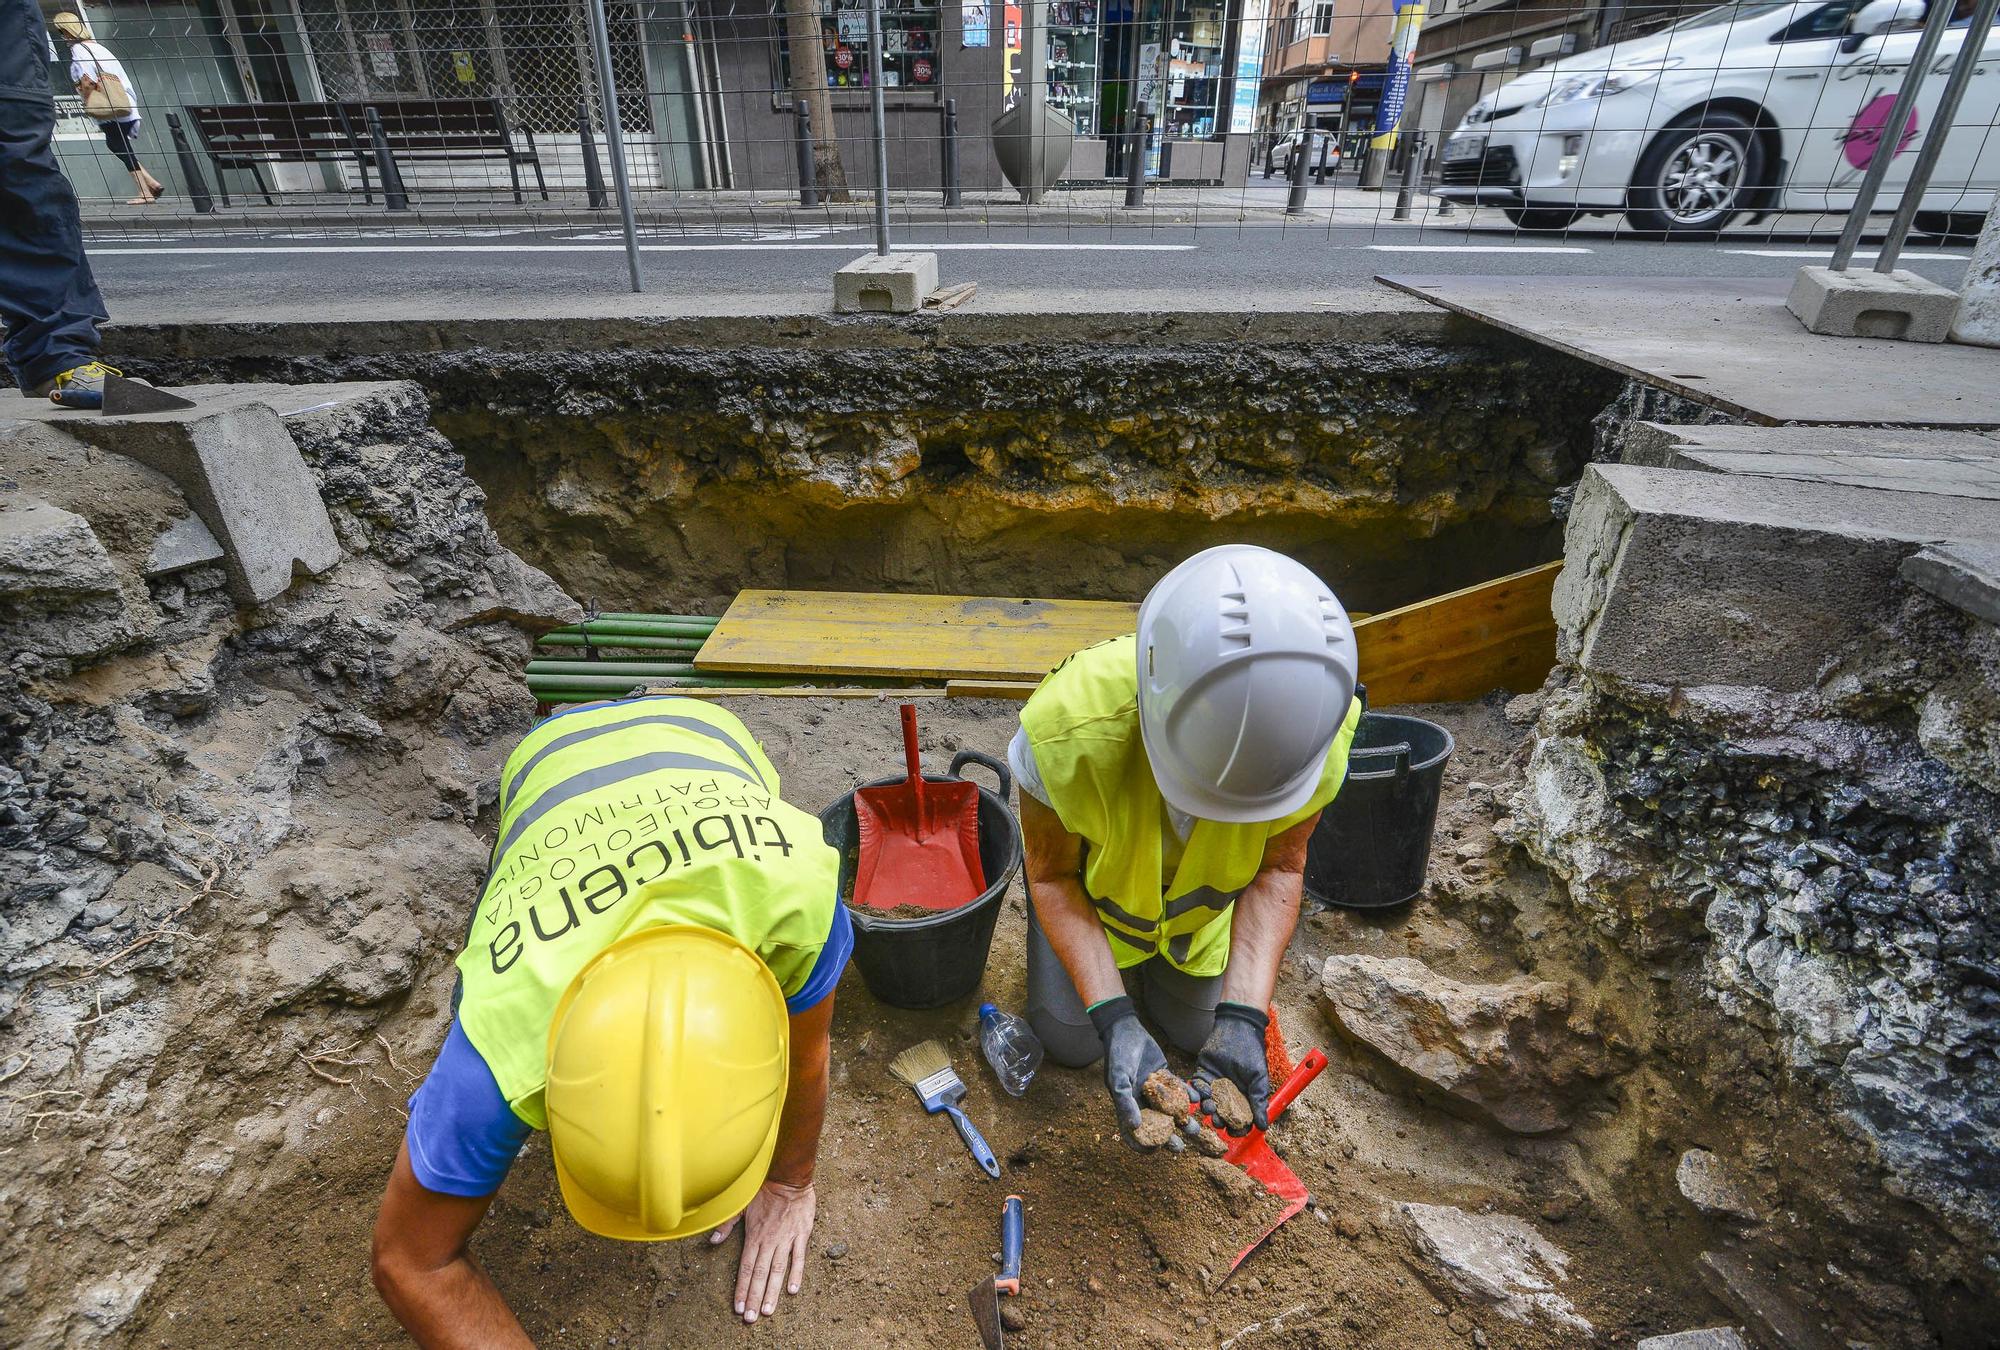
column 1246, row 669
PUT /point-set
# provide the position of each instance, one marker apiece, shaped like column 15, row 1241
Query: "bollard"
column 593, row 172
column 1320, row 170
column 802, row 137
column 952, row 195
column 1412, row 165
column 394, row 198
column 1295, row 202
column 197, row 186
column 1135, row 159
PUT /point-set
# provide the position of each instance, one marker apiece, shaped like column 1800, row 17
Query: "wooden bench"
column 247, row 136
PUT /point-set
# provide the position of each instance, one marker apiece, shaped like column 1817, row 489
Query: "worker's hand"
column 776, row 1230
column 1130, row 1057
column 1235, row 1050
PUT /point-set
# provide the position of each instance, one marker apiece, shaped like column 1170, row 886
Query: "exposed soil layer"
column 1122, row 1249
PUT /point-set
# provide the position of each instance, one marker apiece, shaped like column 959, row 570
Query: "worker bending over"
column 649, row 976
column 1169, row 783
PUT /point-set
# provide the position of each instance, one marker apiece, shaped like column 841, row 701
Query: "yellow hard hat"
column 668, row 1059
column 71, row 26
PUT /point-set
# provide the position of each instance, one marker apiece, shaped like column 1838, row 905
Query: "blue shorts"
column 463, row 1136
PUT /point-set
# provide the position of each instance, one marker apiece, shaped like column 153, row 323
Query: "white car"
column 1764, row 105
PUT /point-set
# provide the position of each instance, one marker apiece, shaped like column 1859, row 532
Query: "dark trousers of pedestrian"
column 48, row 299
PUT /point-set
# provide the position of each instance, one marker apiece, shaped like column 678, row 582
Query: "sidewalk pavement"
column 702, row 212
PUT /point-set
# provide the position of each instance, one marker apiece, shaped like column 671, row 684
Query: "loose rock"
column 1232, row 1109
column 1165, row 1092
column 1705, row 1181
column 1155, row 1129
column 1494, row 1258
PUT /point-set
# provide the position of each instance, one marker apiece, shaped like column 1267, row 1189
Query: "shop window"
column 1194, row 70
column 1075, row 60
column 910, row 49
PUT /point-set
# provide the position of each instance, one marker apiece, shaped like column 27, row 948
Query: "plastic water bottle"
column 1011, row 1047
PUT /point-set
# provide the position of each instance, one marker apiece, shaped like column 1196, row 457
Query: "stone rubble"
column 1491, row 1258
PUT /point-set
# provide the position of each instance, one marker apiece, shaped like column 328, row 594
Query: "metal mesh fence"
column 1362, row 120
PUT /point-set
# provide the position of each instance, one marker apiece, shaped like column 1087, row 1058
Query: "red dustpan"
column 919, row 840
column 1253, row 1153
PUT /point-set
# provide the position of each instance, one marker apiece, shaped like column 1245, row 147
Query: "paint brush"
column 927, row 1068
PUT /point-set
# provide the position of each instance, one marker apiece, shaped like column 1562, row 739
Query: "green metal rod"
column 635, row 670
column 610, row 641
column 628, row 628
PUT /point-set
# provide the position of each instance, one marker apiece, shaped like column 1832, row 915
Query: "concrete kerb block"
column 243, row 475
column 1965, row 576
column 1978, row 321
column 1677, row 578
column 885, row 283
column 1897, row 304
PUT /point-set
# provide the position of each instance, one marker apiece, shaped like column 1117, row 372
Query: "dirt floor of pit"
column 1121, row 1250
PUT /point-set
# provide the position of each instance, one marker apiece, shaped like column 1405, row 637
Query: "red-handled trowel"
column 1253, row 1153
column 985, row 1296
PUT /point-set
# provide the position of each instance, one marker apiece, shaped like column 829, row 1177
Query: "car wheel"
column 1950, row 224
column 1540, row 217
column 1693, row 180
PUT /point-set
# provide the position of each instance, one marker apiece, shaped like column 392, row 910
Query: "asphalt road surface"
column 375, row 268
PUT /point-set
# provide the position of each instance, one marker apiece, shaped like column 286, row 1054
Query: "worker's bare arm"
column 1265, row 915
column 426, row 1275
column 777, row 1227
column 1063, row 910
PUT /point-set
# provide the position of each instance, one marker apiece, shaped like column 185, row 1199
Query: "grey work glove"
column 1235, row 1050
column 1131, row 1056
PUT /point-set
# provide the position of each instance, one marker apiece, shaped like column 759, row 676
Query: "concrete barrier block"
column 1895, row 304
column 1678, row 578
column 1966, row 576
column 885, row 283
column 243, row 475
column 1978, row 319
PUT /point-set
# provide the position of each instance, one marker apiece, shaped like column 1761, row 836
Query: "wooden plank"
column 1014, row 689
column 1497, row 635
column 910, row 636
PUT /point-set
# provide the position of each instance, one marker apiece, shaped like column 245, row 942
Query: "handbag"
column 105, row 98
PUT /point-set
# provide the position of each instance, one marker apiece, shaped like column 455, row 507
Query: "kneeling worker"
column 649, row 976
column 1169, row 783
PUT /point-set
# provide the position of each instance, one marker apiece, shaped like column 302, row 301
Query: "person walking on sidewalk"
column 649, row 977
column 110, row 97
column 49, row 304
column 1170, row 780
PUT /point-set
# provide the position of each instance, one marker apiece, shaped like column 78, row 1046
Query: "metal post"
column 802, row 137
column 394, row 197
column 1135, row 159
column 952, row 195
column 593, row 172
column 880, row 124
column 197, row 186
column 1892, row 134
column 1412, row 166
column 614, row 136
column 1295, row 203
column 1970, row 54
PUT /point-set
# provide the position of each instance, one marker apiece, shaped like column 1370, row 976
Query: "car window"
column 1828, row 21
column 1748, row 9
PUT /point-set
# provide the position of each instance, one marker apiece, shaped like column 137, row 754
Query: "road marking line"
column 857, row 247
column 1477, row 248
column 1828, row 253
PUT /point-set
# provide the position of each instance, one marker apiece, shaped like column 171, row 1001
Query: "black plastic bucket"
column 1372, row 845
column 931, row 961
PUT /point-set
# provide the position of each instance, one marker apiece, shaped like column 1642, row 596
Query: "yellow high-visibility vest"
column 1083, row 727
column 615, row 818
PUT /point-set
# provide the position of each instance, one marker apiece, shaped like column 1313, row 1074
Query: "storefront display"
column 1073, row 61
column 1170, row 58
column 909, row 45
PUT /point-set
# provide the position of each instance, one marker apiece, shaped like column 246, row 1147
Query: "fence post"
column 1969, row 55
column 614, row 136
column 1413, row 164
column 394, row 198
column 197, row 186
column 1135, row 159
column 1295, row 201
column 802, row 140
column 593, row 172
column 952, row 195
column 1892, row 134
column 879, row 122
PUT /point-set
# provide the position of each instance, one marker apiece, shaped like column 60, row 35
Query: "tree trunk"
column 802, row 33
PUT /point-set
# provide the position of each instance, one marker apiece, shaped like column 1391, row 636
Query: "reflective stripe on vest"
column 621, row 817
column 1083, row 727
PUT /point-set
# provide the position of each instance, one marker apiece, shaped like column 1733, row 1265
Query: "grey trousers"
column 1180, row 1005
